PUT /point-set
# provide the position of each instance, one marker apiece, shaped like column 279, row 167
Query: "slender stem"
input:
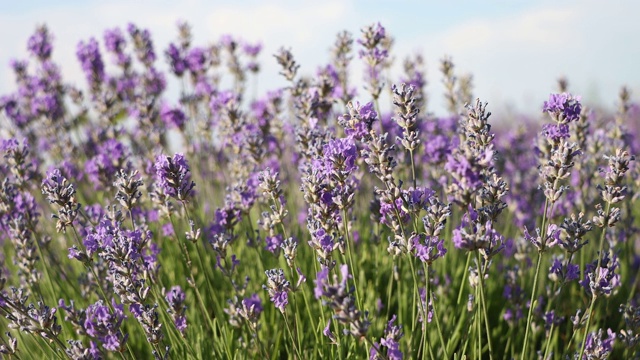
column 376, row 105
column 390, row 287
column 93, row 272
column 478, row 326
column 548, row 344
column 413, row 169
column 194, row 285
column 602, row 235
column 54, row 350
column 435, row 315
column 349, row 254
column 586, row 329
column 484, row 305
column 416, row 300
column 529, row 316
column 507, row 346
column 295, row 347
column 425, row 319
column 200, row 260
column 376, row 347
column 597, row 269
column 464, row 273
column 263, row 352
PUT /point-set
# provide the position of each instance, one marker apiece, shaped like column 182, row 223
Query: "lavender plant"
column 137, row 225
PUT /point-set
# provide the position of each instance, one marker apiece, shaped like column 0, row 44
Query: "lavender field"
column 326, row 219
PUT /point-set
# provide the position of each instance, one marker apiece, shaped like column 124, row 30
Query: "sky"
column 515, row 49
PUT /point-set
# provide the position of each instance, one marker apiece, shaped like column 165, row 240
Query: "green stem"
column 350, row 255
column 413, row 169
column 596, row 271
column 426, row 316
column 602, row 235
column 484, row 305
column 295, row 347
column 535, row 279
column 435, row 315
column 531, row 305
column 462, row 281
column 383, row 356
column 548, row 344
column 586, row 329
column 416, row 299
column 478, row 326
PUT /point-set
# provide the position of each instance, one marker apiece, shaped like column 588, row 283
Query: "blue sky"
column 514, row 49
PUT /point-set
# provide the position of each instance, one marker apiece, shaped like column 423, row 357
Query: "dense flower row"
column 189, row 229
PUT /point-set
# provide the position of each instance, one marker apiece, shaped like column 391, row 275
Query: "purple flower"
column 253, row 302
column 278, row 287
column 417, row 199
column 227, row 41
column 176, row 60
column 598, row 348
column 196, row 60
column 327, row 332
column 602, row 280
column 552, row 237
column 320, row 281
column 252, row 49
column 556, row 131
column 559, row 272
column 428, row 248
column 340, row 155
column 173, row 117
column 469, row 174
column 273, row 243
column 9, row 145
column 563, row 107
column 167, row 230
column 359, row 121
column 91, row 61
column 388, row 211
column 175, row 298
column 339, row 297
column 101, row 169
column 550, row 318
column 248, row 310
column 153, row 82
column 174, row 176
column 142, row 44
column 392, row 334
column 436, row 149
column 114, row 41
column 39, row 44
column 473, row 235
column 14, row 111
column 374, row 55
column 103, row 325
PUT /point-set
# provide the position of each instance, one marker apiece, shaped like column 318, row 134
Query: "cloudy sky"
column 515, row 49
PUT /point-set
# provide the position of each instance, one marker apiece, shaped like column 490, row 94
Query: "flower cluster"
column 174, row 176
column 338, row 296
column 491, row 240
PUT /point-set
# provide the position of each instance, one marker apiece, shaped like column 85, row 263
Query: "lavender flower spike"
column 278, row 287
column 175, row 298
column 174, row 176
column 563, row 108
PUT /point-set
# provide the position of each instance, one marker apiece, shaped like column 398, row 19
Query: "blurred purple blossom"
column 174, row 176
column 563, row 107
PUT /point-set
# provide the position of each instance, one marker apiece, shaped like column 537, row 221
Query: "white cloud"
column 306, row 28
column 515, row 57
